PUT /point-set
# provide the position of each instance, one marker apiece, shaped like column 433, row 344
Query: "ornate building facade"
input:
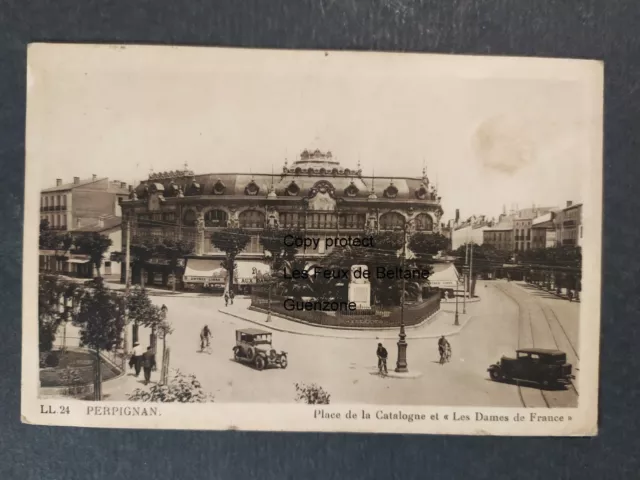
column 314, row 194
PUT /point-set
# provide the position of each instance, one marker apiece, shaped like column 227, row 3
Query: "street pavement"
column 346, row 367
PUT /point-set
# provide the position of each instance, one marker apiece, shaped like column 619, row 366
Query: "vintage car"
column 254, row 346
column 539, row 365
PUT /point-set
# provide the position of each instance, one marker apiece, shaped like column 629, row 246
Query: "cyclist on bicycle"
column 205, row 336
column 382, row 358
column 443, row 347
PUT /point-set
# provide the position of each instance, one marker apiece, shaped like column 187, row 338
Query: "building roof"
column 313, row 169
column 501, row 227
column 71, row 185
column 108, row 223
column 112, row 187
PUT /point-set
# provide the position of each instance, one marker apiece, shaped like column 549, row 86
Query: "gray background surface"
column 607, row 30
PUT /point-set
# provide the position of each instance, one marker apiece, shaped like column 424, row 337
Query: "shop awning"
column 78, row 260
column 247, row 271
column 199, row 270
column 445, row 275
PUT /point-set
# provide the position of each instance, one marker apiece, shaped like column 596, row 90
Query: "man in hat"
column 136, row 357
column 148, row 363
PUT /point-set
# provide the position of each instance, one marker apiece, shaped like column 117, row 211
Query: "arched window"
column 215, row 218
column 189, row 218
column 391, row 221
column 424, row 223
column 251, row 219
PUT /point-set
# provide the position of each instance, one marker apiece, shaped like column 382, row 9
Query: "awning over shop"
column 78, row 260
column 445, row 275
column 247, row 271
column 199, row 270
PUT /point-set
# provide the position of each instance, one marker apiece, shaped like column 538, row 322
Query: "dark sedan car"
column 539, row 365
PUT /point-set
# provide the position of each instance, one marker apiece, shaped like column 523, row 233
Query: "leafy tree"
column 101, row 320
column 427, row 244
column 181, row 388
column 141, row 311
column 52, row 240
column 142, row 250
column 232, row 241
column 51, row 289
column 174, row 250
column 386, row 254
column 95, row 245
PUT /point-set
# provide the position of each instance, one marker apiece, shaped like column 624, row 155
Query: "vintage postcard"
column 220, row 238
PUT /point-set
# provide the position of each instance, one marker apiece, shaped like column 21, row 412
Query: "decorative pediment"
column 421, row 192
column 219, row 188
column 172, row 189
column 351, row 190
column 193, row 189
column 293, row 189
column 324, row 188
column 252, row 188
column 391, row 191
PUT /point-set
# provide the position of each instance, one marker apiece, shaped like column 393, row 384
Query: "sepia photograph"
column 224, row 238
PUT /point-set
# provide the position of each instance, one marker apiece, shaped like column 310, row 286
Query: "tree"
column 181, row 388
column 50, row 290
column 427, row 244
column 52, row 240
column 101, row 321
column 386, row 290
column 142, row 250
column 231, row 241
column 140, row 310
column 174, row 250
column 95, row 245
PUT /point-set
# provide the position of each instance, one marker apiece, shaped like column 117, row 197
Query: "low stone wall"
column 414, row 313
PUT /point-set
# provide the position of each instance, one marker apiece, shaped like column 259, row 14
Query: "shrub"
column 52, row 360
column 181, row 388
column 70, row 376
column 311, row 394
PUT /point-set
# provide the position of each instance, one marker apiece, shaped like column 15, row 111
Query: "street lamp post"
column 401, row 364
column 457, row 322
column 269, row 304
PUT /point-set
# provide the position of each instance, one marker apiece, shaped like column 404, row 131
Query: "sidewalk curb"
column 542, row 289
column 322, row 334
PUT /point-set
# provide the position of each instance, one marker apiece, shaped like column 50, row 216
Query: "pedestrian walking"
column 231, row 295
column 136, row 357
column 381, row 352
column 226, row 298
column 148, row 363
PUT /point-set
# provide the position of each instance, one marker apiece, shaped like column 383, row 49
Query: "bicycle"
column 382, row 366
column 205, row 347
column 445, row 354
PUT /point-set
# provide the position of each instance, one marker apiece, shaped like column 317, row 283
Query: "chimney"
column 457, row 215
column 569, row 203
column 131, row 188
column 123, row 184
column 94, row 177
column 58, row 182
column 76, row 180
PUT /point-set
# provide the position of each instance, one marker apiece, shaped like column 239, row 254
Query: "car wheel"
column 250, row 354
column 260, row 363
column 495, row 375
column 284, row 362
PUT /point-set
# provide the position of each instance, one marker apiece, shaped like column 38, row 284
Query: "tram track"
column 549, row 397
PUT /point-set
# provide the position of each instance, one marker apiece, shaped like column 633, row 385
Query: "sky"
column 491, row 131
